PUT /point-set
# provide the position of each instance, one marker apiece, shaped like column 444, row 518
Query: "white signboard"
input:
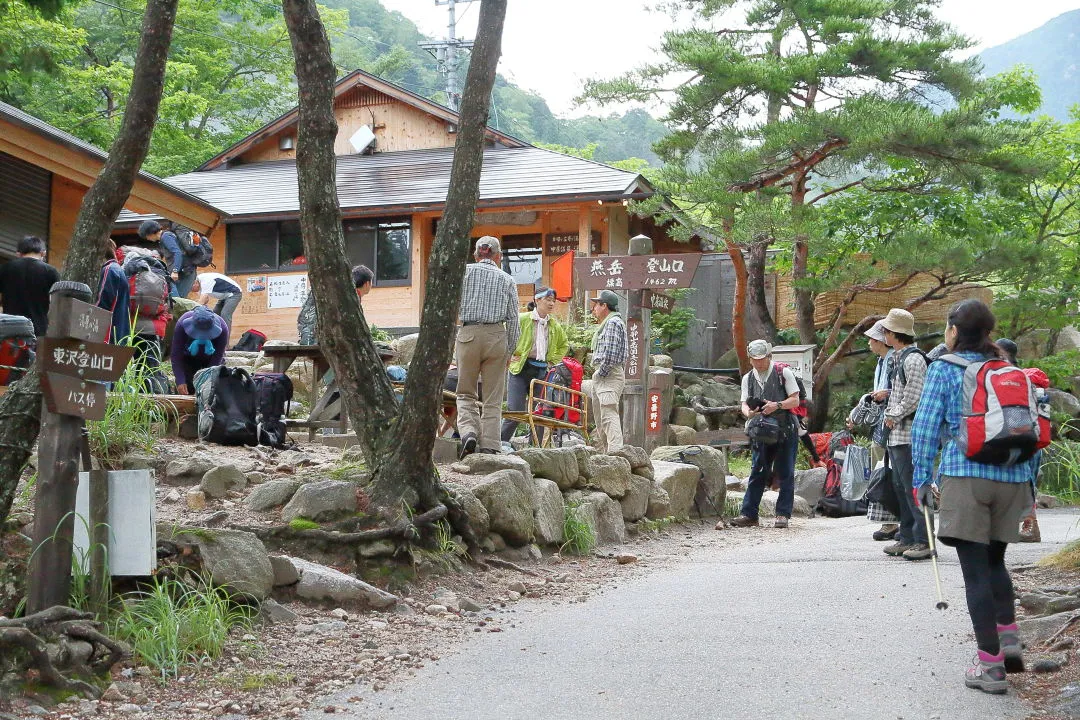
column 131, row 515
column 800, row 358
column 286, row 291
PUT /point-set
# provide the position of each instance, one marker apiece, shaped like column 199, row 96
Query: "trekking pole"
column 941, row 604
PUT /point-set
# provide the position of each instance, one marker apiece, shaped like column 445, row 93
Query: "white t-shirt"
column 217, row 286
column 791, row 386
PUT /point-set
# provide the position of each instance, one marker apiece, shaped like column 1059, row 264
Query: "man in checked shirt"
column 609, row 379
column 486, row 339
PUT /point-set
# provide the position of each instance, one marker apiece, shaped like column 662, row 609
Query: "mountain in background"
column 1051, row 51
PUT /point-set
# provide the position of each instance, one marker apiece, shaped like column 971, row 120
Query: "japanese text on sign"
column 86, row 399
column 82, row 359
column 654, row 422
column 637, row 271
column 562, row 244
column 286, row 291
column 635, row 335
column 89, row 323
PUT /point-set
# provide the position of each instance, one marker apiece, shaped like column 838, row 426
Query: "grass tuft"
column 1060, row 473
column 302, row 523
column 580, row 538
column 1067, row 558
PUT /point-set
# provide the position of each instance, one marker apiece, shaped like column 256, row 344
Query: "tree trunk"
column 20, row 408
column 760, row 321
column 738, row 310
column 804, row 299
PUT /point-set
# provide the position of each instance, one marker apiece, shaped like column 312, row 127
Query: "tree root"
column 407, row 530
column 1068, row 624
column 506, row 564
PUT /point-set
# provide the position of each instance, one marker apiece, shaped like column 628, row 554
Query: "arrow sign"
column 84, row 360
column 661, row 303
column 637, row 272
column 73, row 318
column 66, row 395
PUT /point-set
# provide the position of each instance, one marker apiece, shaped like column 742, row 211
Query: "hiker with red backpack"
column 993, row 433
column 541, row 344
column 149, row 307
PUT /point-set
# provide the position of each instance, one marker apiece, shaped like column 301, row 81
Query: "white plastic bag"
column 855, row 477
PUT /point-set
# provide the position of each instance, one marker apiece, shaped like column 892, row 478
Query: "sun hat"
column 876, row 332
column 758, row 349
column 899, row 321
column 201, row 324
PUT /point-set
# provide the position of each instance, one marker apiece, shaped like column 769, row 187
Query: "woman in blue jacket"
column 114, row 295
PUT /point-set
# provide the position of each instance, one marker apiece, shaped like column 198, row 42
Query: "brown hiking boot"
column 887, row 532
column 1029, row 531
column 918, row 551
column 780, row 522
column 898, row 548
column 743, row 521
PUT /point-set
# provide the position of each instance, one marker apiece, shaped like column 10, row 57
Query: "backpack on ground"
column 197, row 249
column 251, row 341
column 17, row 345
column 566, row 374
column 225, row 400
column 1001, row 420
column 832, row 502
column 275, row 393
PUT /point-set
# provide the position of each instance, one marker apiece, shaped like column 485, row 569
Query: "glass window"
column 251, row 247
column 523, row 258
column 393, row 259
column 360, row 243
column 291, row 246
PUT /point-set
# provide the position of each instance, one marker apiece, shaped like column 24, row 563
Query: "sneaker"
column 887, row 532
column 468, row 445
column 898, row 548
column 743, row 521
column 780, row 522
column 918, row 551
column 1011, row 648
column 988, row 674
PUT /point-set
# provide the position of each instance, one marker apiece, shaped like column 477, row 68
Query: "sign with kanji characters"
column 659, row 302
column 84, row 360
column 637, row 272
column 635, row 348
column 561, row 244
column 66, row 395
column 654, row 412
column 77, row 319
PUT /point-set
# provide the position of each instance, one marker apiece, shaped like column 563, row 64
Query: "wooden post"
column 58, row 479
column 98, row 531
column 633, row 409
column 581, row 303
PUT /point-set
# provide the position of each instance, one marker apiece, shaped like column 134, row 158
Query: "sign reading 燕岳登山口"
column 636, row 272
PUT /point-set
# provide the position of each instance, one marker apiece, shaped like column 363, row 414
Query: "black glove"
column 755, row 403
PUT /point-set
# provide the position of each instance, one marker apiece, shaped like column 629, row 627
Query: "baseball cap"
column 608, row 298
column 488, row 243
column 758, row 349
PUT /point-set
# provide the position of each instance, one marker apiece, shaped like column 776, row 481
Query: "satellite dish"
column 362, row 139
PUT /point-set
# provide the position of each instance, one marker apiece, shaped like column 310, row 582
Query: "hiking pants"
column 481, row 357
column 517, row 394
column 989, row 590
column 912, row 523
column 225, row 307
column 184, row 283
column 604, row 396
column 767, row 461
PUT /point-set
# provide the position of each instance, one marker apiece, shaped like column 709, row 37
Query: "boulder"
column 682, row 435
column 646, row 472
column 271, row 495
column 217, row 483
column 285, row 573
column 603, row 515
column 711, row 489
column 233, row 559
column 659, row 503
column 479, row 520
column 609, row 474
column 1063, row 402
column 557, row 464
column 275, row 613
column 323, row 500
column 583, row 453
column 404, row 347
column 1036, row 631
column 767, row 507
column 662, row 361
column 721, row 394
column 549, row 513
column 637, row 457
column 635, row 503
column 1067, row 339
column 700, row 422
column 683, row 416
column 508, row 498
column 680, row 481
column 810, row 484
column 485, row 464
column 188, row 471
column 318, row 582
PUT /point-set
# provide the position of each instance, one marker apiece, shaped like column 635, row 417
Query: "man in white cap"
column 609, row 376
column 769, row 394
column 486, row 339
column 908, row 375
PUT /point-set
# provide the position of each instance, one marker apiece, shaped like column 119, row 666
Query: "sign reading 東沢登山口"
column 84, row 360
column 637, row 272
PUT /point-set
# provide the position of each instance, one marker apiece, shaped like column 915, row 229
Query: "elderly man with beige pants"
column 609, row 378
column 486, row 339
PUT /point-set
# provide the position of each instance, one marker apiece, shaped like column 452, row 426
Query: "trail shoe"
column 918, row 551
column 1029, row 530
column 743, row 521
column 1011, row 648
column 988, row 674
column 887, row 532
column 898, row 548
column 468, row 445
column 780, row 522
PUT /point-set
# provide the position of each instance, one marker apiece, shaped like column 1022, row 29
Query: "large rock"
column 508, row 498
column 404, row 346
column 188, row 471
column 318, row 582
column 486, row 463
column 219, row 481
column 659, row 503
column 609, row 474
column 271, row 495
column 1063, row 402
column 1036, row 631
column 683, row 416
column 1067, row 339
column 479, row 520
column 603, row 515
column 661, row 361
column 549, row 513
column 680, row 481
column 583, row 453
column 681, row 435
column 233, row 559
column 767, row 507
column 637, row 457
column 323, row 500
column 557, row 464
column 810, row 484
column 721, row 394
column 711, row 491
column 635, row 503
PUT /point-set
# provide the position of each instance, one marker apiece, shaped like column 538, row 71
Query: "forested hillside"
column 230, row 71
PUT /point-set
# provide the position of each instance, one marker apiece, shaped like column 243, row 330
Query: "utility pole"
column 445, row 52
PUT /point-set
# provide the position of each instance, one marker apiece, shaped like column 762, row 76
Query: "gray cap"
column 758, row 349
column 608, row 298
column 488, row 243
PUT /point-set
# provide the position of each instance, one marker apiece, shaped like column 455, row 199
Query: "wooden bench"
column 327, row 409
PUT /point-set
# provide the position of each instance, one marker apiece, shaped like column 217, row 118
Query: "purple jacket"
column 182, row 359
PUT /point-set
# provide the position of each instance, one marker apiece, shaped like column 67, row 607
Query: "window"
column 265, row 247
column 523, row 258
column 385, row 247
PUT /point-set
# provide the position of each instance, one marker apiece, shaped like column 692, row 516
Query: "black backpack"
column 251, row 341
column 274, row 392
column 225, row 400
column 196, row 254
column 898, row 365
column 832, row 502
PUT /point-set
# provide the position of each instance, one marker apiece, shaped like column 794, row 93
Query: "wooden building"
column 44, row 173
column 395, row 151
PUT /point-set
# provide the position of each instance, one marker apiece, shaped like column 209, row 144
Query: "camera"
column 755, row 403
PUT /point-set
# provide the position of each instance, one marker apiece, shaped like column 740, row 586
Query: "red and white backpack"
column 1002, row 422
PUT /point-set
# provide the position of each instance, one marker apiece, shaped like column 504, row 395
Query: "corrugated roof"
column 29, row 122
column 410, row 180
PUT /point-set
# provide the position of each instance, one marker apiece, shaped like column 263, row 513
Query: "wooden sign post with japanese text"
column 73, row 360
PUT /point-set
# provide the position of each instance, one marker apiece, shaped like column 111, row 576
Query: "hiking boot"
column 887, row 532
column 1011, row 648
column 918, row 551
column 898, row 548
column 743, row 521
column 1029, row 531
column 468, row 445
column 988, row 674
column 780, row 522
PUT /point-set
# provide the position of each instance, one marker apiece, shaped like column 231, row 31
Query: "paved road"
column 817, row 623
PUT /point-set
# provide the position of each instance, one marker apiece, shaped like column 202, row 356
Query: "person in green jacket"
column 542, row 343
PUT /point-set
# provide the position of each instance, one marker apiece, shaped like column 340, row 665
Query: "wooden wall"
column 66, row 198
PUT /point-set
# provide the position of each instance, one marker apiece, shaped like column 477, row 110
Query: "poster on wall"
column 256, row 283
column 286, row 291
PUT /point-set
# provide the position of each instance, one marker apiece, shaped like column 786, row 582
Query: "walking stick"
column 941, row 604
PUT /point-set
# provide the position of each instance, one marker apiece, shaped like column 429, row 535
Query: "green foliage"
column 380, row 335
column 301, row 523
column 671, row 329
column 647, row 525
column 1060, row 368
column 1060, row 472
column 171, row 625
column 579, row 535
column 580, row 335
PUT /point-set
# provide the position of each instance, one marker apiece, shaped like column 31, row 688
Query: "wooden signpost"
column 659, row 302
column 72, row 356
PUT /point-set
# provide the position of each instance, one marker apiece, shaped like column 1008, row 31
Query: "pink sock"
column 988, row 658
column 1007, row 628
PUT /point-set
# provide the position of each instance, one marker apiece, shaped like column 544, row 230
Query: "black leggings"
column 989, row 590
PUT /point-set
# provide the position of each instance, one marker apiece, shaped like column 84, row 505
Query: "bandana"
column 541, row 338
column 206, row 345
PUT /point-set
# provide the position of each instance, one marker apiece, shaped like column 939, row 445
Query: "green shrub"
column 579, row 535
column 1060, row 472
column 1060, row 368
